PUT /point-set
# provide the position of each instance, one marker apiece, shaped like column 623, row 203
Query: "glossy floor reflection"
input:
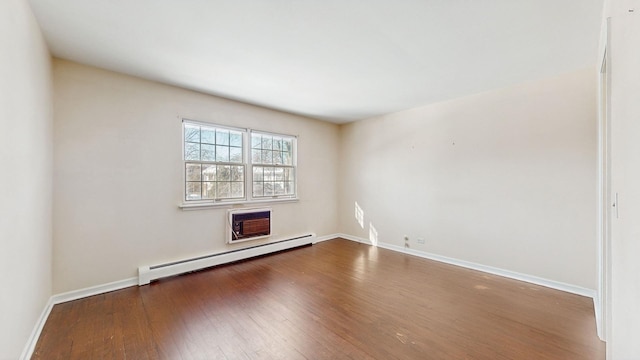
column 334, row 300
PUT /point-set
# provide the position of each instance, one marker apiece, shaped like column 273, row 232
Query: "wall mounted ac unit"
column 248, row 224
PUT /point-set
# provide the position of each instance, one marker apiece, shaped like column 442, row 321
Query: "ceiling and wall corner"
column 333, row 60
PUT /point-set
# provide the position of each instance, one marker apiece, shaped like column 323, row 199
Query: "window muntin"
column 213, row 163
column 273, row 170
column 216, row 163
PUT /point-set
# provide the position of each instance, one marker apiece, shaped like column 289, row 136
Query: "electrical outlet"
column 420, row 240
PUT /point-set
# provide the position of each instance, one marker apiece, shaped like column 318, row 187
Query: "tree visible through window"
column 215, row 164
column 273, row 165
column 214, row 167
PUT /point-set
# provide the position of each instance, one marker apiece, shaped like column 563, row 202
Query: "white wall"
column 25, row 175
column 118, row 175
column 504, row 179
column 623, row 306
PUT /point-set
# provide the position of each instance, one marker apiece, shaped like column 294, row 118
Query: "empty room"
column 320, row 179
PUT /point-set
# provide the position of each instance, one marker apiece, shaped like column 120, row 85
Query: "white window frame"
column 248, row 169
column 186, row 122
column 293, row 166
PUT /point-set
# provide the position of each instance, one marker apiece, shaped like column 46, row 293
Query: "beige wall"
column 504, row 179
column 25, row 175
column 118, row 175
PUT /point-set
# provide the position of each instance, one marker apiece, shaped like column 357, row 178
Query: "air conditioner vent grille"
column 249, row 224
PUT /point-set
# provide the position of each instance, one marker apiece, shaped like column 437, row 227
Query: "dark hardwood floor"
column 334, row 300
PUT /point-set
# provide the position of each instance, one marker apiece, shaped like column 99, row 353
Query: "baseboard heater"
column 146, row 274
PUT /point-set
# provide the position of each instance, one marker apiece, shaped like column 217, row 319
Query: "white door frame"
column 604, row 190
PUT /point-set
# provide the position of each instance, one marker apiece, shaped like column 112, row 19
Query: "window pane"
column 222, row 153
column 277, row 157
column 256, row 141
column 268, row 189
column 223, row 173
column 266, row 157
column 208, row 152
column 277, row 143
column 208, row 136
column 224, row 190
column 237, row 189
column 286, row 159
column 193, row 172
column 256, row 156
column 278, row 174
column 193, row 191
column 258, row 173
column 237, row 173
column 235, row 154
column 191, row 133
column 266, row 142
column 235, row 139
column 268, row 174
column 209, row 190
column 191, row 151
column 208, row 172
column 222, row 137
column 258, row 189
column 287, row 146
column 278, row 188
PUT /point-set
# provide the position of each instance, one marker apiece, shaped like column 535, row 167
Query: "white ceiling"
column 337, row 60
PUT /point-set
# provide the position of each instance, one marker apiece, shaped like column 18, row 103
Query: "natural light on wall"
column 359, row 215
column 373, row 235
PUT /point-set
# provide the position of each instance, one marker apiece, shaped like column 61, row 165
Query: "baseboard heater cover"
column 146, row 274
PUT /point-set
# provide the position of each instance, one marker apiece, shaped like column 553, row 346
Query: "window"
column 219, row 167
column 213, row 161
column 272, row 163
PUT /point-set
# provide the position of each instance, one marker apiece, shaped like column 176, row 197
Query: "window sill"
column 217, row 204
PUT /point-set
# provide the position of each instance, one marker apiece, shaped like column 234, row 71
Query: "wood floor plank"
column 334, row 300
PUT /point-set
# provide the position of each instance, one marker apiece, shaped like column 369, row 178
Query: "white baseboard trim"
column 94, row 290
column 325, row 238
column 27, row 352
column 599, row 323
column 484, row 268
column 69, row 296
column 354, row 238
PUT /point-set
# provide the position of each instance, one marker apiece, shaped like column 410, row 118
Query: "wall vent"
column 248, row 224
